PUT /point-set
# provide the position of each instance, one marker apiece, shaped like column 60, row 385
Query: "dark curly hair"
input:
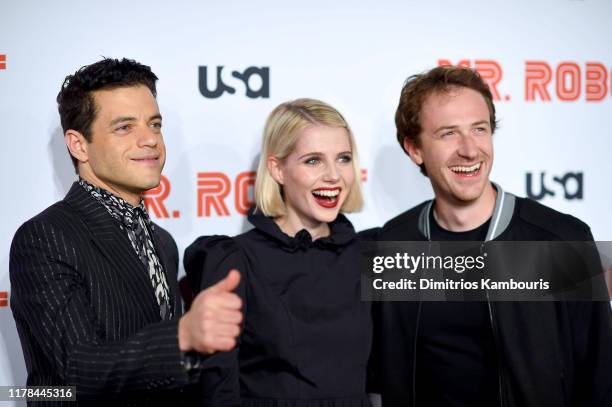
column 75, row 100
column 440, row 79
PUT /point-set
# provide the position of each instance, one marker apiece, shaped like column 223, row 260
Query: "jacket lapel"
column 116, row 247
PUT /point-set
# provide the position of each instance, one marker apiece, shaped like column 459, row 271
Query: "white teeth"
column 473, row 168
column 327, row 192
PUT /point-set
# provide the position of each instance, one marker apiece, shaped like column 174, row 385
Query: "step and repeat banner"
column 223, row 67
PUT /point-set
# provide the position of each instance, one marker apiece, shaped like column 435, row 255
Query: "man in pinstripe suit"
column 94, row 281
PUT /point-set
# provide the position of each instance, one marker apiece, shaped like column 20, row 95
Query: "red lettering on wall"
column 245, row 181
column 213, row 188
column 2, row 61
column 3, row 298
column 537, row 77
column 364, row 175
column 568, row 81
column 154, row 199
column 490, row 71
column 464, row 62
column 596, row 81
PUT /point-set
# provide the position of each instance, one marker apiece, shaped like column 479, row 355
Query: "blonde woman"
column 306, row 334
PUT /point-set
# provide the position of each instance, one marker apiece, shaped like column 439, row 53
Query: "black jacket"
column 550, row 353
column 306, row 335
column 85, row 310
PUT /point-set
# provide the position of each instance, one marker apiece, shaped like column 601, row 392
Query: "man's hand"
column 213, row 321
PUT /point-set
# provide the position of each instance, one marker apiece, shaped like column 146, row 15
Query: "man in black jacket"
column 480, row 353
column 94, row 282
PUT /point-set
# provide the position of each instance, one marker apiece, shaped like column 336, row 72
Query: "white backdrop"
column 354, row 55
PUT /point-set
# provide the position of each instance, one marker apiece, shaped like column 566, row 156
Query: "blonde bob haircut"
column 283, row 127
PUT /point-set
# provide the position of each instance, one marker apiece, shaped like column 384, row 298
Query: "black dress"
column 306, row 335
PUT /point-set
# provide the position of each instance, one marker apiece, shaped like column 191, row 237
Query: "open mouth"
column 467, row 171
column 326, row 197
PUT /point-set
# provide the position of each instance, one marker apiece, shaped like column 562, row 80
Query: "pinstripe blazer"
column 85, row 308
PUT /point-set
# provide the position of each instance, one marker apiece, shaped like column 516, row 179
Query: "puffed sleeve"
column 369, row 235
column 207, row 261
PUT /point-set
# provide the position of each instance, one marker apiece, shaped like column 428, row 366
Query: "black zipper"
column 500, row 374
column 414, row 353
column 416, row 340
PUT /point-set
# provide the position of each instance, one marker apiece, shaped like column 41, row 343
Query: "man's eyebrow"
column 445, row 128
column 122, row 119
column 453, row 127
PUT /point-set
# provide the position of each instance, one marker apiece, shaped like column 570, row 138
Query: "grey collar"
column 502, row 214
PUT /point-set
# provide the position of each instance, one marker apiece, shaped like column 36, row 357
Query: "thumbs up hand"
column 213, row 322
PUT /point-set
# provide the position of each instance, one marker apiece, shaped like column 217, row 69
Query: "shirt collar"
column 341, row 232
column 121, row 210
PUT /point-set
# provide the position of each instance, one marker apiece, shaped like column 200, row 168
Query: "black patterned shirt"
column 135, row 221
